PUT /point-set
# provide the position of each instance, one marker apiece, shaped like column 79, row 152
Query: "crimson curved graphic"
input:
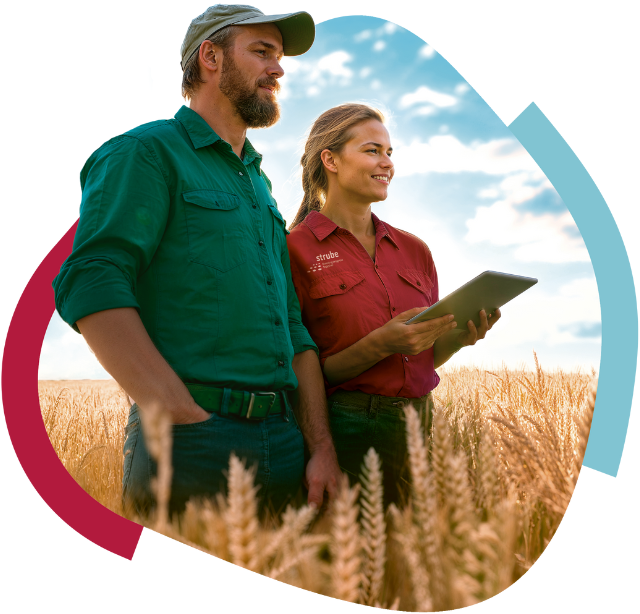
column 24, row 419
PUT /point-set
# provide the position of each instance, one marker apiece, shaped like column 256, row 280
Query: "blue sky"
column 463, row 184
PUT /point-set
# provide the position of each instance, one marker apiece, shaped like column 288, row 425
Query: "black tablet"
column 488, row 291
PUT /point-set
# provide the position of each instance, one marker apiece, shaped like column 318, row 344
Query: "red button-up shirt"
column 344, row 295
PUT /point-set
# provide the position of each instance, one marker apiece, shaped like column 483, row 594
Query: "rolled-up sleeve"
column 300, row 338
column 123, row 214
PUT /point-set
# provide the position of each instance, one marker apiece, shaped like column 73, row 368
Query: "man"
column 179, row 278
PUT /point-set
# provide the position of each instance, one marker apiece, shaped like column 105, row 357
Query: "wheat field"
column 489, row 487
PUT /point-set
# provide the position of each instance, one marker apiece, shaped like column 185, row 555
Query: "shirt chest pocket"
column 336, row 284
column 216, row 231
column 418, row 281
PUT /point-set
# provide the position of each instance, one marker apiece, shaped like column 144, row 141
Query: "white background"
column 71, row 71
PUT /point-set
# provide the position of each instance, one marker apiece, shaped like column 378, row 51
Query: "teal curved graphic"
column 613, row 275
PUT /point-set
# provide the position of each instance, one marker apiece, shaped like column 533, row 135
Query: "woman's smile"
column 383, row 178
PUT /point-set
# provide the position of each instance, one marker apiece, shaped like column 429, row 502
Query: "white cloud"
column 446, row 154
column 489, row 193
column 379, row 45
column 426, row 110
column 330, row 69
column 385, row 30
column 376, row 85
column 389, row 27
column 334, row 64
column 363, row 36
column 461, row 89
column 582, row 288
column 427, row 52
column 290, row 65
column 365, row 72
column 426, row 94
column 544, row 237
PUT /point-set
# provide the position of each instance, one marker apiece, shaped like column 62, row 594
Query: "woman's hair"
column 332, row 130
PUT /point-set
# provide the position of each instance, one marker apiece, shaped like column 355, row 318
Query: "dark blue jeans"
column 360, row 421
column 200, row 459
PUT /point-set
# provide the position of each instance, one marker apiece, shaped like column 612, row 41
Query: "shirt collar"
column 321, row 226
column 251, row 155
column 202, row 135
column 382, row 231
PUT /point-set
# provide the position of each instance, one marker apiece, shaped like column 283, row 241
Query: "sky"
column 463, row 184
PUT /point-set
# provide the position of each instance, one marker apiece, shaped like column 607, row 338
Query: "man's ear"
column 210, row 56
column 329, row 161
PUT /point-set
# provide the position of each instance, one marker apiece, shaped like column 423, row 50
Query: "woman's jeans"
column 200, row 460
column 360, row 421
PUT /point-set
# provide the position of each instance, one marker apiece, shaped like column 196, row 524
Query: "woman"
column 358, row 280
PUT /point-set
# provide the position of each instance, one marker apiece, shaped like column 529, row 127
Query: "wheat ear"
column 425, row 506
column 345, row 544
column 441, row 451
column 459, row 504
column 373, row 527
column 242, row 515
column 488, row 481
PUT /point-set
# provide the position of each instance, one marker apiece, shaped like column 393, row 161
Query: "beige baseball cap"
column 297, row 29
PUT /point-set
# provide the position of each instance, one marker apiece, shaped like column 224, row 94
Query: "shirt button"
column 261, row 243
column 343, row 286
column 269, row 282
column 376, row 266
column 393, row 309
column 406, row 359
column 281, row 363
column 255, row 206
column 240, row 173
column 419, row 284
column 278, row 322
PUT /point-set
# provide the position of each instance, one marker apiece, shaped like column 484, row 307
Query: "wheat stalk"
column 345, row 544
column 406, row 534
column 241, row 515
column 488, row 481
column 425, row 506
column 373, row 528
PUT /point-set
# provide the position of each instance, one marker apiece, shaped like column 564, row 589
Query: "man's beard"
column 255, row 111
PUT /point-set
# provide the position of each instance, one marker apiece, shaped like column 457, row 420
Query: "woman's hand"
column 395, row 337
column 475, row 334
column 447, row 346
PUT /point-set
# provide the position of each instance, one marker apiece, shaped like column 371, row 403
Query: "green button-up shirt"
column 174, row 224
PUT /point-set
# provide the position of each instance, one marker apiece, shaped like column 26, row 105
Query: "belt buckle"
column 252, row 400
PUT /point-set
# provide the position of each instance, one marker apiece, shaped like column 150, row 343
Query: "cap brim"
column 297, row 29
